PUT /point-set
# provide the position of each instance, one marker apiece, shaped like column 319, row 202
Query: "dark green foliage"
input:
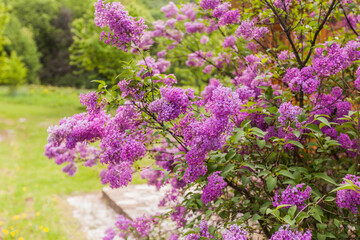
column 22, row 42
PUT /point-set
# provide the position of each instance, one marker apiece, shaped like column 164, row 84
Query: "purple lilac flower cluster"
column 170, row 10
column 295, row 196
column 288, row 113
column 347, row 198
column 140, row 227
column 209, row 4
column 214, row 188
column 357, row 81
column 208, row 133
column 249, row 31
column 334, row 58
column 225, row 15
column 70, row 139
column 204, row 232
column 302, row 80
column 286, row 233
column 235, row 232
column 173, row 102
column 124, row 29
column 156, row 67
column 122, row 144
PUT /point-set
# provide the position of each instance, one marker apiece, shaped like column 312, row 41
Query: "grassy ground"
column 33, row 188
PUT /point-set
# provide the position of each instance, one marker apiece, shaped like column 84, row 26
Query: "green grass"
column 33, row 189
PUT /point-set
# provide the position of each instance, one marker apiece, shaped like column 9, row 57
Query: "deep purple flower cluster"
column 122, row 144
column 357, row 81
column 235, row 233
column 249, row 31
column 214, row 188
column 179, row 216
column 124, row 29
column 209, row 4
column 205, row 134
column 332, row 104
column 347, row 198
column 224, row 102
column 286, row 233
column 173, row 102
column 117, row 175
column 335, row 58
column 295, row 196
column 204, row 232
column 302, row 80
column 70, row 139
column 288, row 113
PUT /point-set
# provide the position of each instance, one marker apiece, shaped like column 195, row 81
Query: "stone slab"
column 135, row 200
column 93, row 214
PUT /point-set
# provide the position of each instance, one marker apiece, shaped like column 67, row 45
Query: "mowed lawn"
column 33, row 189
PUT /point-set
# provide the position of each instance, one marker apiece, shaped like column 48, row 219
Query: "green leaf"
column 324, row 121
column 227, row 169
column 296, row 143
column 264, row 207
column 271, row 183
column 240, row 133
column 208, row 213
column 283, row 206
column 258, row 132
column 325, row 177
column 286, row 174
column 260, row 143
column 99, row 81
column 288, row 220
column 314, row 128
column 296, row 133
column 292, row 211
column 347, row 186
column 245, row 123
column 256, row 217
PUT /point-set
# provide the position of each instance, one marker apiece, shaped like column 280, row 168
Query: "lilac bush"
column 268, row 146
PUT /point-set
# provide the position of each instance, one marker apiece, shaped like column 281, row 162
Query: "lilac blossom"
column 170, row 10
column 330, row 60
column 194, row 27
column 220, row 10
column 283, row 55
column 347, row 198
column 209, row 4
column 248, row 31
column 286, row 233
column 174, row 102
column 196, row 59
column 214, row 188
column 229, row 41
column 204, row 39
column 302, row 80
column 230, row 17
column 235, row 233
column 295, row 196
column 124, row 29
column 189, row 10
column 288, row 113
column 117, row 175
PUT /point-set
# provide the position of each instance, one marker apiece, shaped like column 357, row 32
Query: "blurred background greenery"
column 55, row 42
